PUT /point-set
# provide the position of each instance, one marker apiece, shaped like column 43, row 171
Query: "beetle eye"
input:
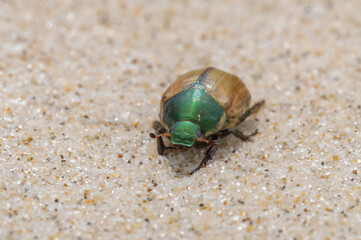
column 199, row 134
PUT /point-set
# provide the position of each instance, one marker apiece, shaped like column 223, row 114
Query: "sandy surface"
column 80, row 84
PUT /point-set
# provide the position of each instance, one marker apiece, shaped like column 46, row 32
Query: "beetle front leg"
column 160, row 146
column 160, row 143
column 209, row 154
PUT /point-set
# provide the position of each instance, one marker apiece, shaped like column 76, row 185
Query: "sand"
column 80, row 85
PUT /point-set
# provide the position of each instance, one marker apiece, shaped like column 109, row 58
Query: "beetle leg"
column 252, row 110
column 223, row 133
column 160, row 143
column 241, row 135
column 161, row 146
column 209, row 154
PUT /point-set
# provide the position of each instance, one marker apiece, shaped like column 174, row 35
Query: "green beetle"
column 201, row 107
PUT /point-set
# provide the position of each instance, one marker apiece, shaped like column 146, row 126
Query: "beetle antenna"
column 213, row 143
column 152, row 135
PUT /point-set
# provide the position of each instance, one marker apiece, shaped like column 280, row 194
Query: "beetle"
column 201, row 107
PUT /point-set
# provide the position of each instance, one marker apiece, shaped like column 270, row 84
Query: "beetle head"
column 185, row 133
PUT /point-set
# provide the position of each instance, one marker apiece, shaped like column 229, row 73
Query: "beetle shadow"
column 184, row 161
